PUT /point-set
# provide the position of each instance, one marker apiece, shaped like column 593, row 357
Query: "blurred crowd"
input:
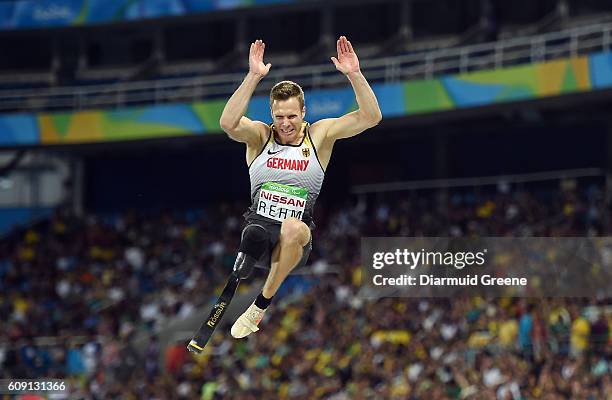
column 77, row 295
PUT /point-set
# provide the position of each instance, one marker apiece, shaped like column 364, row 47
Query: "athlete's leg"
column 287, row 254
column 253, row 244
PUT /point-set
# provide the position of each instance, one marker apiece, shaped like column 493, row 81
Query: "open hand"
column 256, row 54
column 347, row 60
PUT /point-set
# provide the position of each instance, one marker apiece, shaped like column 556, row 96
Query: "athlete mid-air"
column 287, row 161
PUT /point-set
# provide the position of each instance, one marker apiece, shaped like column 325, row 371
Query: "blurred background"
column 121, row 199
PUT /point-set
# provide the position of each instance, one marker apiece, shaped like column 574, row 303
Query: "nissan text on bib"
column 279, row 202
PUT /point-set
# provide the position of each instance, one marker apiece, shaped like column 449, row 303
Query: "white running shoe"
column 247, row 322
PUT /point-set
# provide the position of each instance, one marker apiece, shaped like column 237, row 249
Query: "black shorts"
column 273, row 228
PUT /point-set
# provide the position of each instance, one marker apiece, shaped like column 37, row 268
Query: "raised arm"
column 368, row 113
column 233, row 121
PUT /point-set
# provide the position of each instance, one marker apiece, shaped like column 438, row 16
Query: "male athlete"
column 287, row 162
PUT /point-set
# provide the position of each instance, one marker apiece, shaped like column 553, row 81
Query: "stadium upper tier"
column 418, row 64
column 33, row 14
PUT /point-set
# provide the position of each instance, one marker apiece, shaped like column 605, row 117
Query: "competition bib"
column 280, row 202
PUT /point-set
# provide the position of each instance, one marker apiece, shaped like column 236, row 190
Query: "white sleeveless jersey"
column 286, row 179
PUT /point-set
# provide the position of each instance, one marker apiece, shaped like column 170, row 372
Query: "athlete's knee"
column 254, row 240
column 295, row 231
column 253, row 244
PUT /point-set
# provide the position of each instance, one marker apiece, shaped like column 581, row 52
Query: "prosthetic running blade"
column 203, row 335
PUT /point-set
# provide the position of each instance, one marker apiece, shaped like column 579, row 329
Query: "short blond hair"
column 286, row 89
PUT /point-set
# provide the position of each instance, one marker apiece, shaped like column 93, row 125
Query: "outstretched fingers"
column 347, row 59
column 343, row 46
column 257, row 49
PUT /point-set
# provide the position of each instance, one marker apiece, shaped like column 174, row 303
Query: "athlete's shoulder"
column 321, row 125
column 318, row 130
column 264, row 131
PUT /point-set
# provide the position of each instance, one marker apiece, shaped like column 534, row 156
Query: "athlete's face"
column 288, row 117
